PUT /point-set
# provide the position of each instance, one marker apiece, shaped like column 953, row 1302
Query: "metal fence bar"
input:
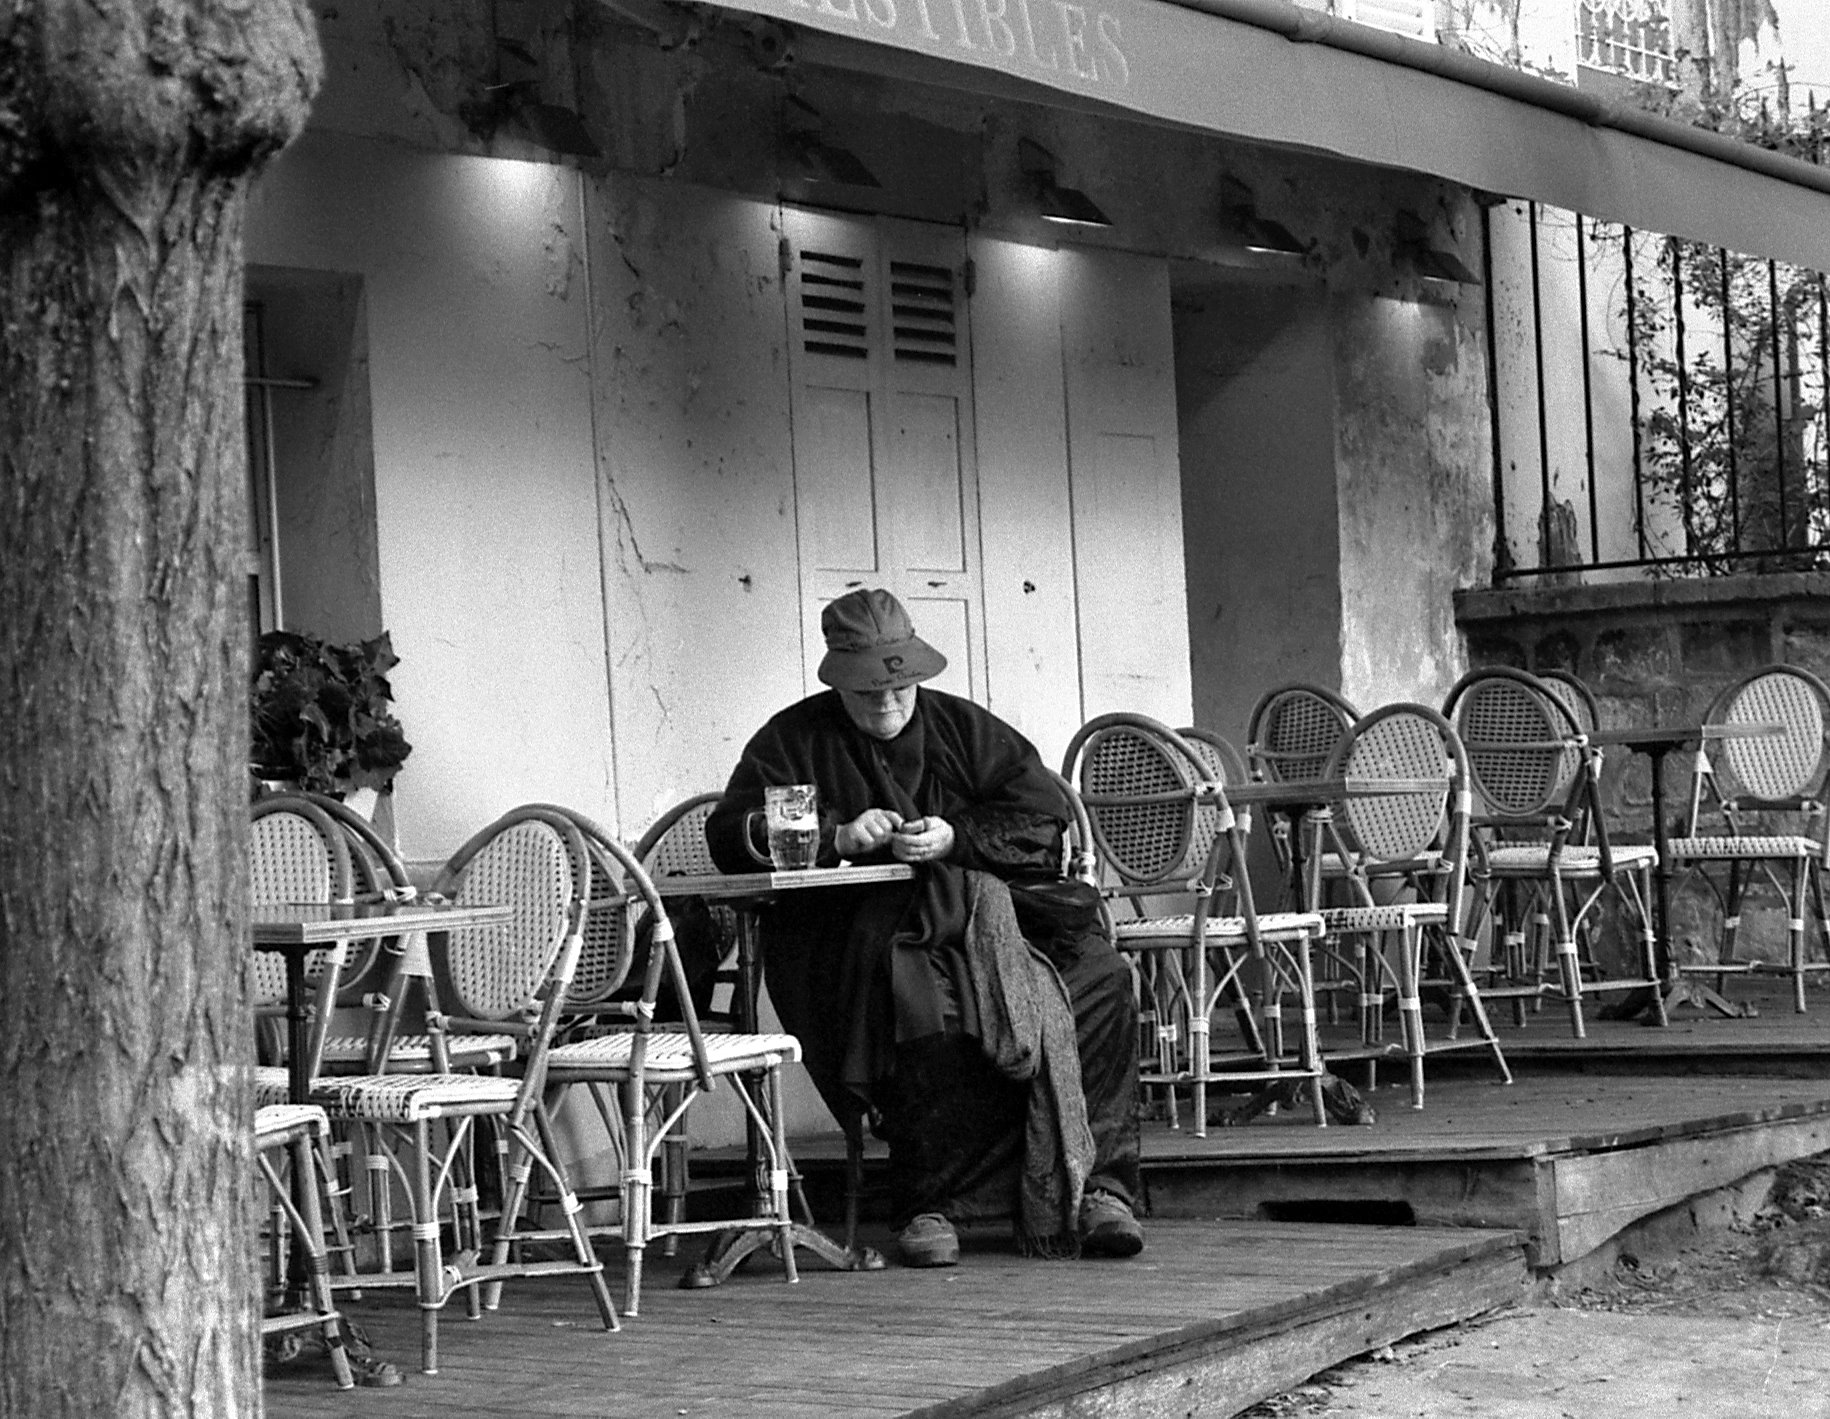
column 1694, row 560
column 1502, row 548
column 1685, row 490
column 1639, row 465
column 1823, row 365
column 1537, row 334
column 1779, row 413
column 1588, row 389
column 1728, row 399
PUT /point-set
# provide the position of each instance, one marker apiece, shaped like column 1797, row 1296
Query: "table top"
column 1299, row 792
column 760, row 884
column 276, row 927
column 1669, row 736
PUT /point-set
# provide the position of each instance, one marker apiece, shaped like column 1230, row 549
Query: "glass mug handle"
column 750, row 820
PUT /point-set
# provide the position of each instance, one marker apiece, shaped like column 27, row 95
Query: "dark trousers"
column 955, row 1124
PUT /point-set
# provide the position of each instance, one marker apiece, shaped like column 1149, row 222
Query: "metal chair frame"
column 1543, row 857
column 521, row 991
column 1161, row 825
column 1417, row 844
column 297, row 1133
column 659, row 1074
column 1735, row 779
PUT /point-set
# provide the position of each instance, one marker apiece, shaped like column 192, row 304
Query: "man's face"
column 882, row 714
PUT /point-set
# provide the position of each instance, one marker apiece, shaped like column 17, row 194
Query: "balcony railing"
column 1658, row 405
column 1630, row 37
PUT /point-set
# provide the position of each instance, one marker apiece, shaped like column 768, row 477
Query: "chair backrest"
column 1080, row 860
column 535, row 862
column 1380, row 831
column 296, row 853
column 1584, row 713
column 376, row 874
column 1137, row 781
column 1293, row 729
column 675, row 842
column 1519, row 736
column 1783, row 767
column 623, row 891
column 1220, row 763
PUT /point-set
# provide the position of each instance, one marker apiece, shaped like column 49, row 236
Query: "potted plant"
column 320, row 717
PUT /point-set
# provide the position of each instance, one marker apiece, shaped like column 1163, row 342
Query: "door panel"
column 926, row 489
column 835, row 478
column 886, row 478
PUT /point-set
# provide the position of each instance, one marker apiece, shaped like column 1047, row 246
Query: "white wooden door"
column 885, row 471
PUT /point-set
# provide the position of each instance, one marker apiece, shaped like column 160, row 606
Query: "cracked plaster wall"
column 485, row 509
column 1412, row 449
column 695, row 480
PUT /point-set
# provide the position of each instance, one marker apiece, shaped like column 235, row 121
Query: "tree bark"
column 129, row 133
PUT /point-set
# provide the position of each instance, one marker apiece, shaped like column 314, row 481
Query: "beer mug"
column 791, row 814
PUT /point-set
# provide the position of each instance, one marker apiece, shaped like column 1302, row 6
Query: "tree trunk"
column 129, row 132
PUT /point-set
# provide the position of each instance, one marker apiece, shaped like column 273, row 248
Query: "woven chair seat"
column 411, row 1098
column 1390, row 916
column 414, row 1052
column 274, row 1123
column 1781, row 845
column 670, row 1055
column 1581, row 860
column 1172, row 931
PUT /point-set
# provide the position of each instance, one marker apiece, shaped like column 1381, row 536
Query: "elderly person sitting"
column 978, row 1015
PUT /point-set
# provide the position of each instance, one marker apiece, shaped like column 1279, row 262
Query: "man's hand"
column 869, row 831
column 927, row 839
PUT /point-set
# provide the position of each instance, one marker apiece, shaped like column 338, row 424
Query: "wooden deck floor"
column 1241, row 1292
column 1219, row 1315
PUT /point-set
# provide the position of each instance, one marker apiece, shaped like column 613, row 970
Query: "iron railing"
column 1659, row 406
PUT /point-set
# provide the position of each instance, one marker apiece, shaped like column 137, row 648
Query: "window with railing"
column 1414, row 19
column 1630, row 37
column 1659, row 405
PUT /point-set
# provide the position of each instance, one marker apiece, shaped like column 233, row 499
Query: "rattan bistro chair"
column 1164, row 834
column 1415, row 845
column 294, row 1134
column 1543, row 857
column 1292, row 732
column 423, row 1121
column 658, row 1073
column 1738, row 784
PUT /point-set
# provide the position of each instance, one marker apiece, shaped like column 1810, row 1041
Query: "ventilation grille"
column 923, row 314
column 834, row 306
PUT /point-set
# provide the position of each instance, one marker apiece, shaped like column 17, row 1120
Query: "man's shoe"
column 1107, row 1226
column 931, row 1241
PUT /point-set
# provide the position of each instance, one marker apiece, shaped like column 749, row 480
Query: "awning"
column 1270, row 71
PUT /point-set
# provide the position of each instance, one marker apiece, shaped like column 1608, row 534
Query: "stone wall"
column 1659, row 653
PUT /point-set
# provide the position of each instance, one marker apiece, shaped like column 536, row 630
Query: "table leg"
column 298, row 1036
column 728, row 1250
column 1679, row 989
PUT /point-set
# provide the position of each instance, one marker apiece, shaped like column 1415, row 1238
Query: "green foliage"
column 1731, row 436
column 320, row 713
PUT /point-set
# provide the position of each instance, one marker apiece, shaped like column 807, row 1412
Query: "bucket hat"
column 871, row 644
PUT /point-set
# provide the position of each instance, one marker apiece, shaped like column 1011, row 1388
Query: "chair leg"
column 1410, row 1005
column 778, row 1172
column 1731, row 922
column 299, row 1217
column 636, row 1194
column 1796, row 932
column 312, row 1218
column 1569, row 967
column 427, row 1258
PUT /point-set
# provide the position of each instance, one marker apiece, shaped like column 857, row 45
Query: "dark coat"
column 854, row 972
